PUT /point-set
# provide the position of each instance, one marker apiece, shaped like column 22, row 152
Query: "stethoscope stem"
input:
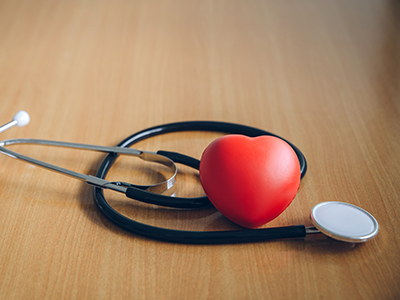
column 312, row 230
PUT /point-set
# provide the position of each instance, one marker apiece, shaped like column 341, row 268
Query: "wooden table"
column 323, row 74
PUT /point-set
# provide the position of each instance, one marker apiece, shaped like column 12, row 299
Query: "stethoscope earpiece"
column 20, row 119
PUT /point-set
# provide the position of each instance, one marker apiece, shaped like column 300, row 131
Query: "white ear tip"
column 22, row 118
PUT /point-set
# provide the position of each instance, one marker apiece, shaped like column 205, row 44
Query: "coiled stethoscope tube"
column 182, row 236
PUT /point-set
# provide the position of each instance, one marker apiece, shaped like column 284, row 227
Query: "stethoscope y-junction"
column 341, row 221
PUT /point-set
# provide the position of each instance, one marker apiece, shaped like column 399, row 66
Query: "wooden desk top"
column 323, row 74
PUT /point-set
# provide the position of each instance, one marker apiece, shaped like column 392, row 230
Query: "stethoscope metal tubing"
column 126, row 151
column 144, row 155
column 8, row 125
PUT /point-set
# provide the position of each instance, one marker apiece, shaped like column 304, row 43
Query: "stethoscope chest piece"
column 344, row 222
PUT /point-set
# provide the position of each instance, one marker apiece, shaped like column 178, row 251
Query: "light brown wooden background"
column 323, row 74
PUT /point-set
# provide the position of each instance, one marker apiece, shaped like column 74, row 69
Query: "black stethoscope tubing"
column 182, row 236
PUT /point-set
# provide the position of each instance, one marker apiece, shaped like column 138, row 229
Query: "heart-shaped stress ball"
column 250, row 181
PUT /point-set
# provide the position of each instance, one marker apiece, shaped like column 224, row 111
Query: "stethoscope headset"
column 338, row 220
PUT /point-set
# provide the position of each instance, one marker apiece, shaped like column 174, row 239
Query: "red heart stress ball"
column 251, row 181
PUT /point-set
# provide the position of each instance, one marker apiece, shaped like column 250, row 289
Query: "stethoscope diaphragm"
column 344, row 222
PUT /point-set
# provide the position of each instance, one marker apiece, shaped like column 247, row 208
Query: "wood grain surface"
column 323, row 74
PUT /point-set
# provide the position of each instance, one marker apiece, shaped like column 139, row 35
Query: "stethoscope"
column 338, row 220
